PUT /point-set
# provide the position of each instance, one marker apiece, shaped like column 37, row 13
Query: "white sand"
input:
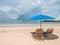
column 22, row 36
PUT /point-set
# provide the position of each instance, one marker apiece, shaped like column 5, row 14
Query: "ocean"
column 10, row 24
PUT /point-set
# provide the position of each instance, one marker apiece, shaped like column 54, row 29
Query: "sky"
column 12, row 9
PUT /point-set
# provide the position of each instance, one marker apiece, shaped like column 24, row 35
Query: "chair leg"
column 42, row 37
column 34, row 36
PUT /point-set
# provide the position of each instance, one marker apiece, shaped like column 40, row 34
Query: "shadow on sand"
column 51, row 37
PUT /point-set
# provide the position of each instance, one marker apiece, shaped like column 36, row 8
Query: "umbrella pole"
column 40, row 24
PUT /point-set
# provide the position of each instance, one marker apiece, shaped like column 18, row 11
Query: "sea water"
column 4, row 24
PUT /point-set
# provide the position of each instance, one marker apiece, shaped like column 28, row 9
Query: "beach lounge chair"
column 38, row 33
column 48, row 32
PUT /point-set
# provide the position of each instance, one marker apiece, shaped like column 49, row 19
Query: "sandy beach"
column 22, row 36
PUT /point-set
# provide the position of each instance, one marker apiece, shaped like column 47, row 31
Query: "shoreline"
column 27, row 25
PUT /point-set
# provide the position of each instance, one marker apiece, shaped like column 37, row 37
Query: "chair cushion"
column 44, row 33
column 33, row 33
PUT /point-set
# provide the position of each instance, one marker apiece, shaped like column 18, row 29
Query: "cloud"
column 50, row 7
column 12, row 16
column 58, row 18
column 23, row 5
column 37, row 2
column 14, row 8
column 7, row 9
column 11, row 12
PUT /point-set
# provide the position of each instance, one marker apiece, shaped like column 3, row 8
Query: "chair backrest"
column 39, row 31
column 49, row 31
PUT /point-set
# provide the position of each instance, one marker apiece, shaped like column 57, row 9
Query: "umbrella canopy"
column 41, row 17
